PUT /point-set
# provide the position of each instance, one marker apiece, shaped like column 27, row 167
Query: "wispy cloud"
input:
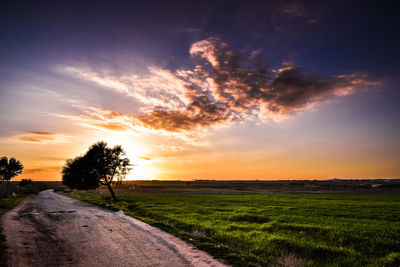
column 37, row 137
column 111, row 121
column 99, row 118
column 41, row 170
column 225, row 86
column 279, row 17
column 160, row 88
column 294, row 9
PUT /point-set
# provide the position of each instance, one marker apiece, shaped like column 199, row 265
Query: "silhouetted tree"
column 24, row 182
column 77, row 174
column 9, row 168
column 101, row 165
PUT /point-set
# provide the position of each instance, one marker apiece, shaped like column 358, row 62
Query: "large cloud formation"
column 224, row 86
column 230, row 85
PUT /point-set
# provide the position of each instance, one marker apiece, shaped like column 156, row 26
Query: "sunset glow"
column 253, row 93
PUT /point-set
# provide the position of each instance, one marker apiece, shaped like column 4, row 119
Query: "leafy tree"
column 101, row 165
column 77, row 174
column 9, row 168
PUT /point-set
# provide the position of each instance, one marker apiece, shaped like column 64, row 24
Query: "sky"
column 203, row 89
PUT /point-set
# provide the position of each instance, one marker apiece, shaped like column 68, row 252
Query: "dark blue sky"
column 326, row 36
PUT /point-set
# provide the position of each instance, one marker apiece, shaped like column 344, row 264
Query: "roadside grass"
column 275, row 229
column 6, row 204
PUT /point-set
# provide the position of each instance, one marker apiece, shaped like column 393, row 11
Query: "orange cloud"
column 224, row 87
column 38, row 137
column 110, row 126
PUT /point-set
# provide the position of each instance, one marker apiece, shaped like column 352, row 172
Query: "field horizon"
column 271, row 180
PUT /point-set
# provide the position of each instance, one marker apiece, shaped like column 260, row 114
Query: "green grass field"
column 261, row 229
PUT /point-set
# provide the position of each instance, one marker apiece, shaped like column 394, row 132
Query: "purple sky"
column 214, row 89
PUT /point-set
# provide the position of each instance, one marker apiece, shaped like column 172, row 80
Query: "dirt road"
column 55, row 230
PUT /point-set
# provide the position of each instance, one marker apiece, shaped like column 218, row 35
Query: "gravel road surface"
column 55, row 230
